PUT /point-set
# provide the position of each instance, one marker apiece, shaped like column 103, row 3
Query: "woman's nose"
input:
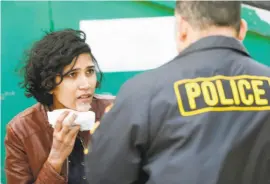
column 84, row 83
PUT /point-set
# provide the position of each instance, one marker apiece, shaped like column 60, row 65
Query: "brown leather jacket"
column 28, row 142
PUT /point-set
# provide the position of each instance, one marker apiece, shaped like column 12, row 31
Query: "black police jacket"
column 202, row 118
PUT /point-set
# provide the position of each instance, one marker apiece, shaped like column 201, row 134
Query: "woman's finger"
column 59, row 121
column 67, row 124
column 73, row 132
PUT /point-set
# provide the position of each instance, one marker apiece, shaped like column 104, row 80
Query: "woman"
column 59, row 72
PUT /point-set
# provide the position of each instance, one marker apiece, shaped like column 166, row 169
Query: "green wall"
column 24, row 22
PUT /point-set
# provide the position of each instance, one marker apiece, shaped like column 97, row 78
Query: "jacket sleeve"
column 120, row 141
column 17, row 167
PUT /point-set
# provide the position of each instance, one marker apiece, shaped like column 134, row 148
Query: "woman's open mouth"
column 85, row 98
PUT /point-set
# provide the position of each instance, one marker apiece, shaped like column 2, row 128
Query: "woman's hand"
column 64, row 136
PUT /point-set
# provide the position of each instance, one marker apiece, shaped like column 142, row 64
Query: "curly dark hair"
column 47, row 59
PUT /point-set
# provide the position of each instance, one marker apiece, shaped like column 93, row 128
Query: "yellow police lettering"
column 193, row 91
column 258, row 92
column 235, row 92
column 223, row 99
column 243, row 85
column 208, row 90
column 222, row 94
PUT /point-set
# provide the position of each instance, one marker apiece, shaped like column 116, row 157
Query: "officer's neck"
column 196, row 35
column 214, row 31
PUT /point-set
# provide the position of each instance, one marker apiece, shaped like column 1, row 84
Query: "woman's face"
column 78, row 86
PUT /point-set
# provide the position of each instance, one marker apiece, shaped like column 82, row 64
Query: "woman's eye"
column 72, row 75
column 91, row 71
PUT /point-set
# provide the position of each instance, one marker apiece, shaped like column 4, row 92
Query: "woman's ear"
column 97, row 84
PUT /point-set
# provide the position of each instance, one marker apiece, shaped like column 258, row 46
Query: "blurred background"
column 126, row 37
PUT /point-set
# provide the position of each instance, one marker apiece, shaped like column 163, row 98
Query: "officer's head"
column 198, row 19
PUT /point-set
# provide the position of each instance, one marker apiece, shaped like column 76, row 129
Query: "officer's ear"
column 243, row 30
column 181, row 28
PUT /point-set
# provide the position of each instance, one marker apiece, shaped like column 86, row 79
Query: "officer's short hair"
column 204, row 14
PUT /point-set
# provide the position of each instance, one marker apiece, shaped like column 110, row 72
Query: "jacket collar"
column 215, row 42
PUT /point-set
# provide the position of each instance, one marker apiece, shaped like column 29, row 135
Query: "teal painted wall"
column 25, row 22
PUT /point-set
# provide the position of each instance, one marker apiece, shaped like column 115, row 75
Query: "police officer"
column 202, row 118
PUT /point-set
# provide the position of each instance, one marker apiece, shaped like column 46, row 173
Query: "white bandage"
column 86, row 120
